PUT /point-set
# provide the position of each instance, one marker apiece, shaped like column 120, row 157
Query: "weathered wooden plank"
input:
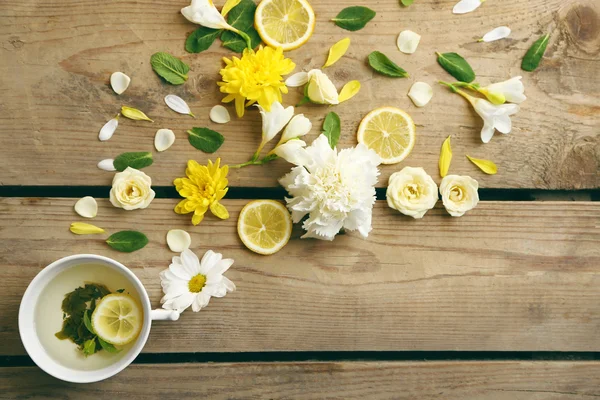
column 508, row 276
column 57, row 58
column 323, row 380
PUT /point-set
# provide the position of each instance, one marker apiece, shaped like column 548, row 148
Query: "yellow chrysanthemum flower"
column 202, row 189
column 255, row 78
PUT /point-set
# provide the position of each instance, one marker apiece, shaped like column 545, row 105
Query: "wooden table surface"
column 503, row 303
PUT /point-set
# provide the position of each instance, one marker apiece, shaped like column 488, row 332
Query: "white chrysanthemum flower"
column 335, row 189
column 191, row 282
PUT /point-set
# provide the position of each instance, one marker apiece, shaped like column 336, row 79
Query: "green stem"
column 451, row 86
column 246, row 38
column 264, row 160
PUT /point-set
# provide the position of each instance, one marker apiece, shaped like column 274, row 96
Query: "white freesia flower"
column 191, row 282
column 336, row 190
column 204, row 12
column 320, row 89
column 512, row 91
column 131, row 190
column 459, row 194
column 298, row 127
column 273, row 121
column 495, row 117
column 289, row 151
column 466, row 6
column 412, row 192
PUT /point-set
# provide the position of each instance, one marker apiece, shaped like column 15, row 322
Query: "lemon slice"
column 285, row 23
column 117, row 319
column 265, row 226
column 390, row 132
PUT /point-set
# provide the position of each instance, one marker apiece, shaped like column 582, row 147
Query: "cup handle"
column 162, row 315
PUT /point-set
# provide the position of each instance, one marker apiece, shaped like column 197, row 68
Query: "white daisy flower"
column 191, row 282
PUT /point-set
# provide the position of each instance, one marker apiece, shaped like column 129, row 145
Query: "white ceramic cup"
column 33, row 345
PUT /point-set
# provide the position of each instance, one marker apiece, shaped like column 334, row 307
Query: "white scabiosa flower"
column 191, row 282
column 466, row 6
column 512, row 91
column 335, row 189
column 495, row 117
column 459, row 194
column 412, row 192
column 204, row 12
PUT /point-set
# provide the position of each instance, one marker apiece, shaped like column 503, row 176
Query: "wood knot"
column 341, row 75
column 582, row 24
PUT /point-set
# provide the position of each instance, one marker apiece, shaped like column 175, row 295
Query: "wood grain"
column 57, row 57
column 507, row 276
column 323, row 380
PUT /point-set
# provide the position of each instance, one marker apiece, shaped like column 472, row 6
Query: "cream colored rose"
column 320, row 88
column 131, row 190
column 412, row 192
column 459, row 194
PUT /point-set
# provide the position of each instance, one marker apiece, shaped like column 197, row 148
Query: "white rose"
column 320, row 88
column 412, row 192
column 131, row 190
column 459, row 194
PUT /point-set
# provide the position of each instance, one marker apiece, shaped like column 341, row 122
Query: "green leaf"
column 382, row 64
column 170, row 68
column 127, row 241
column 205, row 139
column 332, row 128
column 535, row 53
column 108, row 347
column 89, row 347
column 406, row 3
column 354, row 18
column 201, row 39
column 456, row 66
column 236, row 43
column 241, row 17
column 87, row 322
column 136, row 159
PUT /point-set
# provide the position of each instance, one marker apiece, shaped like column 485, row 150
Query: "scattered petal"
column 109, row 129
column 219, row 115
column 81, row 228
column 445, row 157
column 134, row 114
column 228, row 6
column 164, row 139
column 86, row 207
column 466, row 6
column 408, row 41
column 177, row 104
column 178, row 240
column 297, row 80
column 349, row 90
column 107, row 165
column 337, row 51
column 496, row 34
column 119, row 82
column 486, row 166
column 420, row 93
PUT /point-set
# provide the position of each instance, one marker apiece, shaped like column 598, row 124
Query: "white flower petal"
column 209, row 260
column 86, row 207
column 297, row 127
column 190, row 262
column 293, row 152
column 107, row 165
column 466, row 6
column 177, row 104
column 164, row 139
column 297, row 80
column 408, row 41
column 503, row 124
column 180, row 303
column 178, row 240
column 108, row 129
column 119, row 82
column 229, row 286
column 200, row 301
column 274, row 120
column 420, row 93
column 496, row 34
column 219, row 115
column 487, row 132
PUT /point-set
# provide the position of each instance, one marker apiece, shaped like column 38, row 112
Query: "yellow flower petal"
column 229, row 4
column 81, row 228
column 349, row 90
column 445, row 157
column 486, row 166
column 219, row 210
column 337, row 51
column 134, row 113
